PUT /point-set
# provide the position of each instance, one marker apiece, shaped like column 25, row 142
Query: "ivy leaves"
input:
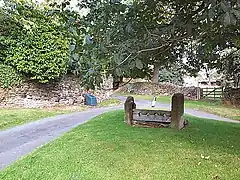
column 39, row 48
column 8, row 76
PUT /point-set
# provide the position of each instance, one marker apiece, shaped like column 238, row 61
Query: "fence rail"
column 215, row 93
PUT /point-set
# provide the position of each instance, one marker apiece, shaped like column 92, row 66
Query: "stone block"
column 177, row 120
column 129, row 105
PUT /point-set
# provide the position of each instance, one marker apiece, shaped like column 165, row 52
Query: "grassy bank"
column 214, row 107
column 109, row 102
column 106, row 148
column 13, row 117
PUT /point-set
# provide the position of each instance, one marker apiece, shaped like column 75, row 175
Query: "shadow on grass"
column 211, row 134
column 202, row 134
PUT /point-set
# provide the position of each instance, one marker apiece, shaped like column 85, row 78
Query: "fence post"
column 222, row 93
column 199, row 94
column 214, row 94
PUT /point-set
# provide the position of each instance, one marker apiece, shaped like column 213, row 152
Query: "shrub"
column 40, row 56
column 39, row 49
column 8, row 76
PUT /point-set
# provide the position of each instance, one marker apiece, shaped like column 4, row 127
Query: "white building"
column 202, row 80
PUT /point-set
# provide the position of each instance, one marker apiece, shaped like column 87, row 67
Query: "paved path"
column 21, row 140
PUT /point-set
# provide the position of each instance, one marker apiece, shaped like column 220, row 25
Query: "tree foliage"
column 122, row 38
column 171, row 75
column 129, row 36
column 231, row 69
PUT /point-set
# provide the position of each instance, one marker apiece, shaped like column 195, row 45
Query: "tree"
column 172, row 75
column 217, row 36
column 231, row 69
column 141, row 33
column 123, row 32
column 127, row 38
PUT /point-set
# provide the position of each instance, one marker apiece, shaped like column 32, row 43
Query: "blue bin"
column 90, row 100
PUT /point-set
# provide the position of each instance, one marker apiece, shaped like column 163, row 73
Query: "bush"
column 42, row 57
column 8, row 76
column 39, row 49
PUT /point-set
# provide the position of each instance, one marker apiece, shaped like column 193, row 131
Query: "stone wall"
column 164, row 89
column 68, row 91
column 231, row 96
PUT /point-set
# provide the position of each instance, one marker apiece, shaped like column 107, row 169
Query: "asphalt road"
column 19, row 141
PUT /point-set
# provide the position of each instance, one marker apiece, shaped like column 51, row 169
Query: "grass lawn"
column 105, row 148
column 214, row 107
column 109, row 102
column 13, row 117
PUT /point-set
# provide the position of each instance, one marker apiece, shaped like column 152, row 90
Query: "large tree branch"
column 124, row 60
column 165, row 49
column 151, row 34
column 152, row 49
column 164, row 45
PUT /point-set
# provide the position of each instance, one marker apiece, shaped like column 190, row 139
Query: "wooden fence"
column 212, row 93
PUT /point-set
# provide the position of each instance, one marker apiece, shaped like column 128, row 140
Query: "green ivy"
column 38, row 48
column 8, row 76
column 41, row 57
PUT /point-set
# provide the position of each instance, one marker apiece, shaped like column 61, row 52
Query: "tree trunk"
column 116, row 82
column 121, row 79
column 155, row 74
